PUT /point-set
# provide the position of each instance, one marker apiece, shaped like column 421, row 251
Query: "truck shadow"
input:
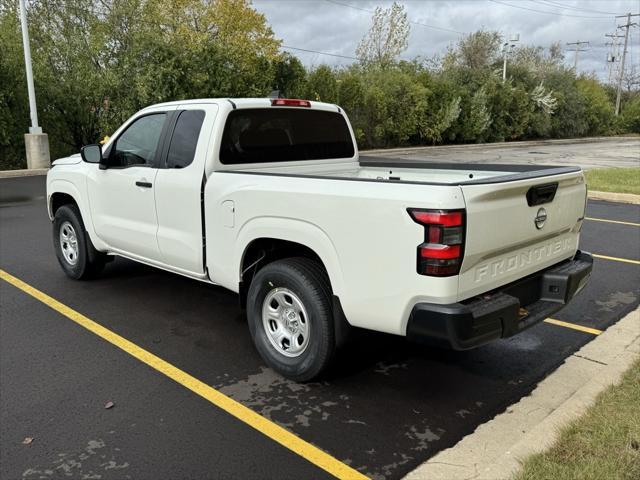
column 209, row 318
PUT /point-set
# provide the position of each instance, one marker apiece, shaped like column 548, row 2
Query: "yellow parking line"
column 268, row 428
column 573, row 326
column 612, row 221
column 617, row 259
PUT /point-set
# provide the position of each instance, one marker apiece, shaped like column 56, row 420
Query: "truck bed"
column 456, row 173
column 381, row 169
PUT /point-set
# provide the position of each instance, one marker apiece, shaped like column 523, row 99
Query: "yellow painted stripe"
column 266, row 427
column 573, row 326
column 617, row 259
column 619, row 222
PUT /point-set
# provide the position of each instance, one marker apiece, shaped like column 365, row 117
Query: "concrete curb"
column 23, row 173
column 615, row 197
column 497, row 448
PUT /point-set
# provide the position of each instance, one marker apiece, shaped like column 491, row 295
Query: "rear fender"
column 292, row 230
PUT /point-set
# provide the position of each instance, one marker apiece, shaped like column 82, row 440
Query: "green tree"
column 399, row 109
column 322, row 85
column 351, row 92
column 476, row 119
column 476, row 50
column 386, row 39
column 97, row 62
column 598, row 111
column 535, row 62
column 568, row 119
column 290, row 77
column 14, row 113
column 510, row 108
column 630, row 117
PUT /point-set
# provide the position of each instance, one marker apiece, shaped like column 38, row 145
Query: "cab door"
column 179, row 188
column 121, row 196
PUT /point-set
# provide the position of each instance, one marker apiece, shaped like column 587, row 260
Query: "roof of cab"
column 242, row 103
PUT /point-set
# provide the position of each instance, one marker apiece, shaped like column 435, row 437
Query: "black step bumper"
column 503, row 312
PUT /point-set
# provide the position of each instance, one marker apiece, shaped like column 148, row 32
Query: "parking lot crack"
column 590, row 359
column 450, row 464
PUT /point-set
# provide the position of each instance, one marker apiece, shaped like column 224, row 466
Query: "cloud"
column 325, row 26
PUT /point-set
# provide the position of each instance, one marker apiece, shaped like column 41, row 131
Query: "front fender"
column 66, row 187
column 58, row 185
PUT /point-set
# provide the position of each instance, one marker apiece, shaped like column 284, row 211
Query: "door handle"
column 144, row 184
column 541, row 194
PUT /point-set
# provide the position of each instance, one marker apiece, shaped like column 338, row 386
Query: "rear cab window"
column 264, row 135
column 184, row 140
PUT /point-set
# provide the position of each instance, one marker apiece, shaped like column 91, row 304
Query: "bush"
column 598, row 110
column 630, row 116
column 322, row 85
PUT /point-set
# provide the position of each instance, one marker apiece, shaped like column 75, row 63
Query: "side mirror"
column 91, row 153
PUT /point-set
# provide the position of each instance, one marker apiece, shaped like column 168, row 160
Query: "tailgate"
column 508, row 236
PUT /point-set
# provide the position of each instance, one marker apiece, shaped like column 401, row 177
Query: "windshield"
column 284, row 135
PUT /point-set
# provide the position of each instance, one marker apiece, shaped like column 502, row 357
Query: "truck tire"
column 76, row 254
column 290, row 318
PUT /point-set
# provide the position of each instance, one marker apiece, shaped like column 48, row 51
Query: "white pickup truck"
column 270, row 199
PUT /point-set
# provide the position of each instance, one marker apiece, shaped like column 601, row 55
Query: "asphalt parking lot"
column 586, row 153
column 387, row 407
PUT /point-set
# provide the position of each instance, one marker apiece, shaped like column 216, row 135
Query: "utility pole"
column 626, row 26
column 36, row 142
column 577, row 50
column 613, row 57
column 507, row 47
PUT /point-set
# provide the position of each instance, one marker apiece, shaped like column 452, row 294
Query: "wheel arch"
column 264, row 250
column 57, row 200
column 63, row 192
column 287, row 238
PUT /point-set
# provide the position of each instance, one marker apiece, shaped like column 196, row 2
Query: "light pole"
column 507, row 47
column 36, row 143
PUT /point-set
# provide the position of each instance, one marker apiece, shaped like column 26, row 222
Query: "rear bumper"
column 503, row 312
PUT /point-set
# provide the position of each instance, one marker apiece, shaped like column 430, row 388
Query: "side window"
column 139, row 142
column 185, row 139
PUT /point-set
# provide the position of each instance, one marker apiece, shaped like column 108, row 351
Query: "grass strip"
column 604, row 443
column 618, row 180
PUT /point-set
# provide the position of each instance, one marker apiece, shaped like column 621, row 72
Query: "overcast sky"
column 337, row 26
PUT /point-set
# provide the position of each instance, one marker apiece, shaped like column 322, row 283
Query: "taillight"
column 441, row 253
column 290, row 102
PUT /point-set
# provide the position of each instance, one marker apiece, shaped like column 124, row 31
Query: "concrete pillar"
column 37, row 146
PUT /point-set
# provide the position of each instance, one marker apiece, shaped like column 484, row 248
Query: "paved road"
column 594, row 153
column 389, row 405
